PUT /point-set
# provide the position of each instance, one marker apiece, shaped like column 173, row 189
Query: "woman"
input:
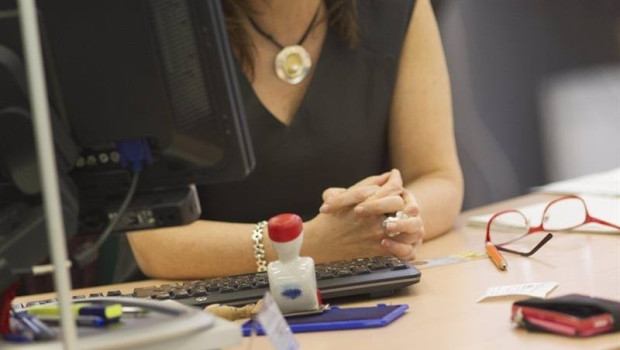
column 371, row 94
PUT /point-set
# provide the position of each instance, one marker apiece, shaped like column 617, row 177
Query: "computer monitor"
column 156, row 76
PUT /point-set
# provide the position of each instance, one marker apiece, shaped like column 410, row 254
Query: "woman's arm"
column 201, row 249
column 209, row 248
column 421, row 135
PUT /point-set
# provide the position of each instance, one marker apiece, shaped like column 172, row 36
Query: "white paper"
column 604, row 208
column 606, row 184
column 276, row 329
column 538, row 290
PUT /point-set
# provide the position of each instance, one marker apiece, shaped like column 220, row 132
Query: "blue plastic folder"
column 336, row 318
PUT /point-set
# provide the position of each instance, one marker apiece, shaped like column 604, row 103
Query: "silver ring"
column 393, row 218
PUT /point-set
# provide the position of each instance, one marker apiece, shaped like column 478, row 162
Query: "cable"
column 135, row 154
column 88, row 252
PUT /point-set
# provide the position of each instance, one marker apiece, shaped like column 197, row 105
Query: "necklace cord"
column 271, row 38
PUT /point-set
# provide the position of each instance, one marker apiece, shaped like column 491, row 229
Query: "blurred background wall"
column 536, row 90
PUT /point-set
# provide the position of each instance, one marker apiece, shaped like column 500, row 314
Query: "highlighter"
column 107, row 312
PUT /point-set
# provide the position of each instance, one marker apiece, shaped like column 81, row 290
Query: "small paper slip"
column 276, row 329
column 538, row 290
column 604, row 184
column 605, row 208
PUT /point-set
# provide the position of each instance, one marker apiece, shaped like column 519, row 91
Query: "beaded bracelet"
column 259, row 247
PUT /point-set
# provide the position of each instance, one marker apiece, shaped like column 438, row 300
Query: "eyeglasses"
column 510, row 227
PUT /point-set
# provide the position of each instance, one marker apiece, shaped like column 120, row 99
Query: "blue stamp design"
column 292, row 293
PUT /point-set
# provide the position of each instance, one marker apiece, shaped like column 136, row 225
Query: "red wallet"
column 572, row 315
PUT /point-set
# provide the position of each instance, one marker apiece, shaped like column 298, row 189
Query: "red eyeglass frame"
column 533, row 229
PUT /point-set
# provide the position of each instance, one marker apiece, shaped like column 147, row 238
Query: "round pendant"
column 293, row 64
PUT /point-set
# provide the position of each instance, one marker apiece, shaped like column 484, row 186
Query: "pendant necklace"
column 293, row 62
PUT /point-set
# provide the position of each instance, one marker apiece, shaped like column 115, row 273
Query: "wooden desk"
column 443, row 311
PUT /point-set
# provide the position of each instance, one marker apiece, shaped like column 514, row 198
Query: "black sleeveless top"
column 338, row 135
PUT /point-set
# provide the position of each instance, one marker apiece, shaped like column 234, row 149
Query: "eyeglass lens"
column 564, row 214
column 508, row 227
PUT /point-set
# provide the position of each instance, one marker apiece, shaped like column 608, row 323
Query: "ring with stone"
column 392, row 218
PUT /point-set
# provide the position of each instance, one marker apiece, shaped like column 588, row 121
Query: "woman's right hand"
column 342, row 235
column 338, row 198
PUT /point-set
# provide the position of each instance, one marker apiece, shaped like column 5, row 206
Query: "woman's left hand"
column 405, row 236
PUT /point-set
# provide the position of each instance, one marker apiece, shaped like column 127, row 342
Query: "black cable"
column 88, row 252
column 274, row 41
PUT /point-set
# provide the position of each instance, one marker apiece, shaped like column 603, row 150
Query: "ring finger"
column 390, row 204
column 409, row 224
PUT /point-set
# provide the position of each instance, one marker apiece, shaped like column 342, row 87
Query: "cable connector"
column 135, row 153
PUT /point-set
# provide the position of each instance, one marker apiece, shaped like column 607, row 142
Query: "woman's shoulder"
column 383, row 24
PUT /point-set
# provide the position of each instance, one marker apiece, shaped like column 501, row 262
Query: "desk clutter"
column 120, row 323
column 298, row 287
column 569, row 315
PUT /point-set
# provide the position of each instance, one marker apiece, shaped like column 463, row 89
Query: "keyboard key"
column 114, row 293
column 179, row 294
column 398, row 266
column 200, row 291
column 361, row 271
column 144, row 292
column 213, row 289
column 163, row 296
column 227, row 289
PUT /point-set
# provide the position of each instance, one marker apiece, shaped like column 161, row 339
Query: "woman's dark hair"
column 341, row 16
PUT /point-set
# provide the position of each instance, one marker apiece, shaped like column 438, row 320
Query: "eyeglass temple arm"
column 531, row 252
column 606, row 223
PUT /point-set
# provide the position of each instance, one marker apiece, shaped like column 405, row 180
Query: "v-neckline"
column 247, row 85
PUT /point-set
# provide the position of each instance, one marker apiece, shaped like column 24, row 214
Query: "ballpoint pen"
column 107, row 312
column 39, row 330
column 495, row 256
column 80, row 320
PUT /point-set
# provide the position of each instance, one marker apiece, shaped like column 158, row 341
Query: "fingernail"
column 359, row 209
column 391, row 226
column 386, row 243
column 324, row 208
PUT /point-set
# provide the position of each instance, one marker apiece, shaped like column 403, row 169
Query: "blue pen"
column 39, row 330
column 107, row 312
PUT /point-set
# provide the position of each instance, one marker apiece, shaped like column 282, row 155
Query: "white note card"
column 276, row 329
column 538, row 290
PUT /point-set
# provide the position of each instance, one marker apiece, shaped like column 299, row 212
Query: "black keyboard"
column 374, row 277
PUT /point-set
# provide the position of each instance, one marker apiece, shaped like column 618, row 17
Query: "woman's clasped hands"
column 375, row 216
